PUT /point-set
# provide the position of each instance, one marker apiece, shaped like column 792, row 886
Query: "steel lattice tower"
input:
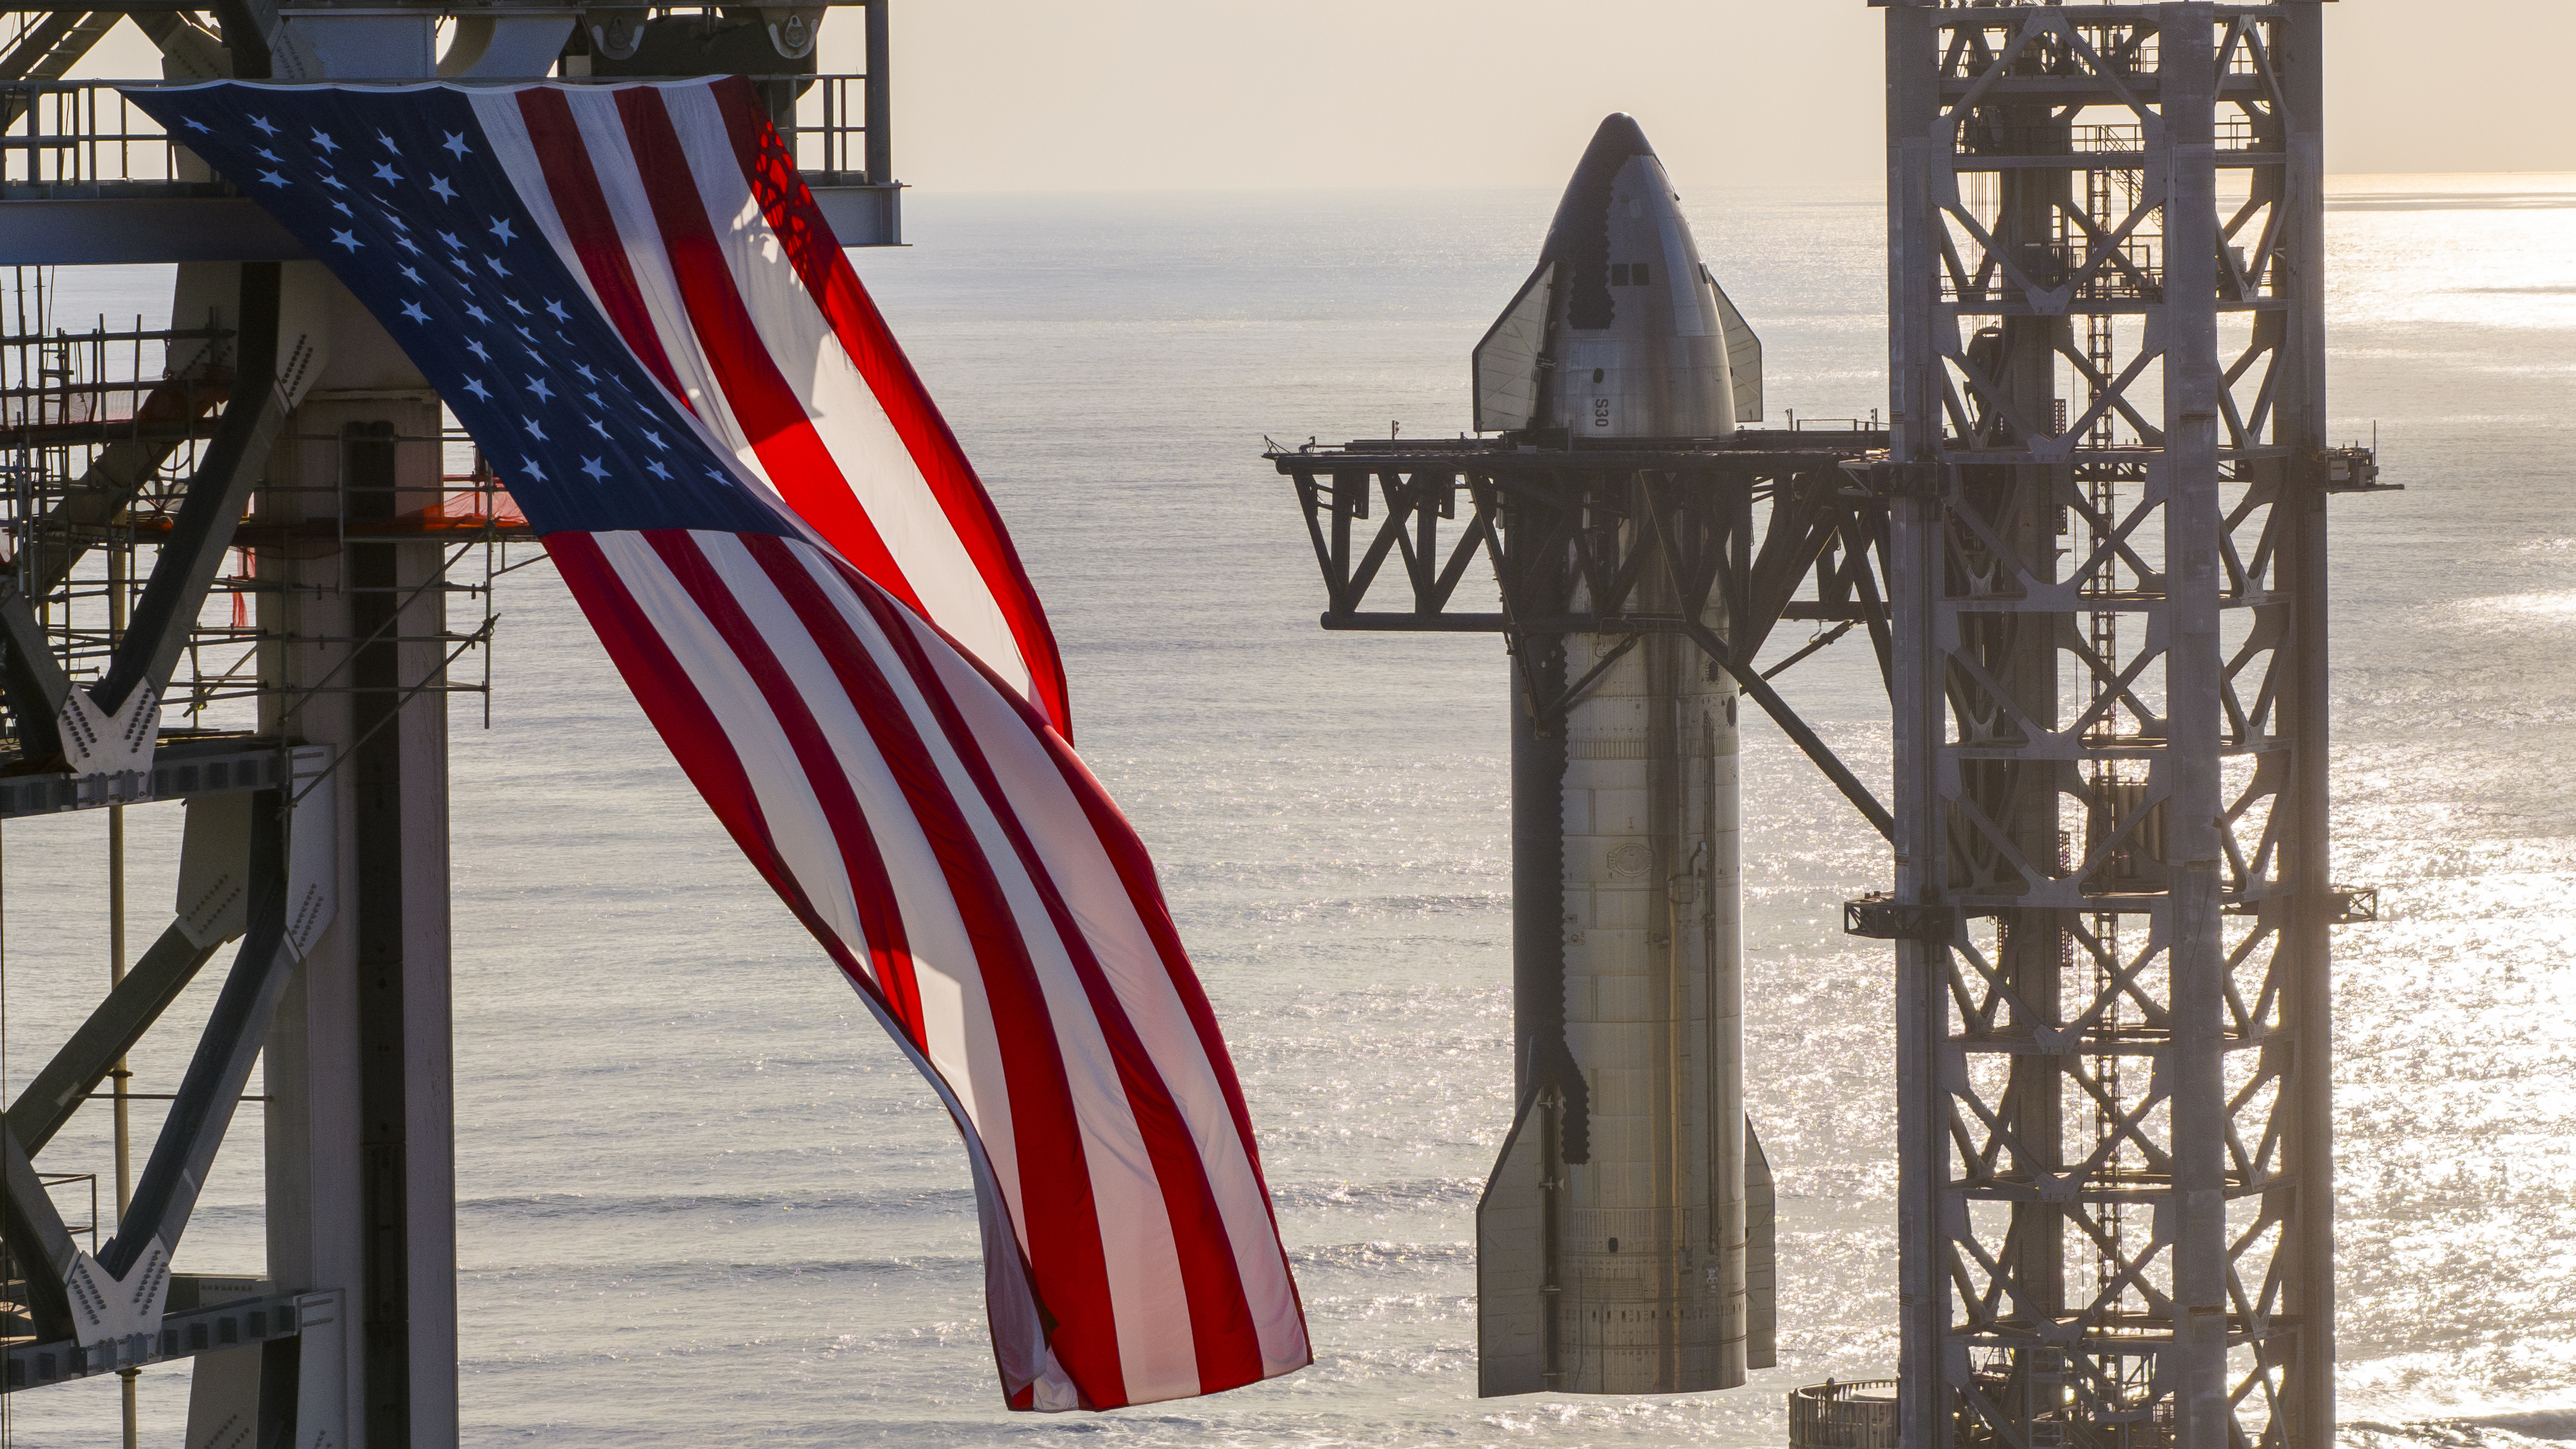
column 2107, row 486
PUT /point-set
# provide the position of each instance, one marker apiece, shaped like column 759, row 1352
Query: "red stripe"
column 1226, row 1339
column 1061, row 1217
column 767, row 408
column 769, row 168
column 583, row 209
column 880, row 915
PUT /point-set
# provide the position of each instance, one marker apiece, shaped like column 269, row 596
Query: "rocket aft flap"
column 1624, row 1242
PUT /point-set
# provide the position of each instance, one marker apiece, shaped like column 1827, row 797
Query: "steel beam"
column 120, row 1021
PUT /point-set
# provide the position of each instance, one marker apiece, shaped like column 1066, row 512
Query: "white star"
column 477, row 349
column 265, row 128
column 407, row 244
column 386, row 173
column 452, row 239
column 534, row 428
column 556, row 310
column 594, row 399
column 455, row 143
column 719, row 475
column 513, row 304
column 195, row 125
column 596, row 427
column 477, row 313
column 334, row 182
column 438, row 187
column 494, row 263
column 530, row 336
column 475, row 386
column 323, row 139
column 342, row 207
column 501, row 228
column 408, row 272
column 538, row 386
column 656, row 440
column 272, row 178
column 389, row 143
column 654, row 467
column 583, row 367
column 269, row 156
column 533, row 470
column 597, row 473
column 413, row 311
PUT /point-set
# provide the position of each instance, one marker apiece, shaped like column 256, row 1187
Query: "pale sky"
column 1155, row 95
column 1188, row 94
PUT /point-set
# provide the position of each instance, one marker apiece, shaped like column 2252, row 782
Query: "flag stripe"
column 768, row 169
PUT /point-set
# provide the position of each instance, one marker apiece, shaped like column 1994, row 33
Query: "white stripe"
column 848, row 418
column 505, row 128
column 957, row 1015
column 1148, row 1299
column 1083, row 870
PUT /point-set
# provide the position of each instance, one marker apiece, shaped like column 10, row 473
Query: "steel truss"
column 2106, row 567
column 1771, row 529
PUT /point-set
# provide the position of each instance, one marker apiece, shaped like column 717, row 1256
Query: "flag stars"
column 594, row 399
column 535, row 429
column 501, row 228
column 654, row 467
column 269, row 156
column 477, row 313
column 272, row 178
column 580, row 367
column 597, row 473
column 514, row 305
column 494, row 263
column 452, row 239
column 414, row 312
column 455, row 145
column 538, row 386
column 323, row 139
column 413, row 275
column 477, row 349
column 407, row 244
column 529, row 337
column 342, row 207
column 556, row 310
column 596, row 426
column 656, row 440
column 475, row 386
column 195, row 125
column 334, row 182
column 533, row 471
column 439, row 188
column 388, row 143
column 265, row 128
column 386, row 173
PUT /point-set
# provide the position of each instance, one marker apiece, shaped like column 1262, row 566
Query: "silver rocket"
column 1624, row 1241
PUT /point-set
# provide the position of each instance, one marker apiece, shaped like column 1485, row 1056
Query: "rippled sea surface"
column 702, row 1201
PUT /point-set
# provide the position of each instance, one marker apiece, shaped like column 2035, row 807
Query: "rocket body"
column 1624, row 1240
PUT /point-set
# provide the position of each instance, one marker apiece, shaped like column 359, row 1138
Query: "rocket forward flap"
column 1507, row 362
column 1743, row 353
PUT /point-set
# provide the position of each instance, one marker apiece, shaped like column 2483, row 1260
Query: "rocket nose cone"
column 1619, row 138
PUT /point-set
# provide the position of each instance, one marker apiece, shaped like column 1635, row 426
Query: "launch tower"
column 243, row 557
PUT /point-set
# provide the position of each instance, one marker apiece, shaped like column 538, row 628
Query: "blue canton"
column 397, row 192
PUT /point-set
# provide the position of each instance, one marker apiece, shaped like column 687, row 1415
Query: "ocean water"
column 703, row 1201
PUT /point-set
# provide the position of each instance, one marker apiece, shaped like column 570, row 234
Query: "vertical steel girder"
column 2106, row 595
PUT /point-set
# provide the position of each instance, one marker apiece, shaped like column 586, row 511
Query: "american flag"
column 628, row 297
